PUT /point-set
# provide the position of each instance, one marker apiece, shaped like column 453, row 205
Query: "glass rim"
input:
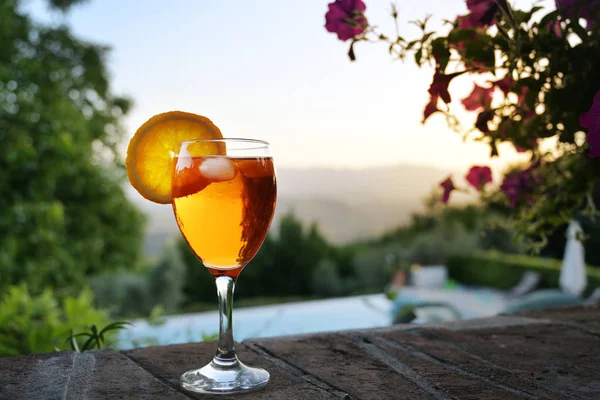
column 224, row 140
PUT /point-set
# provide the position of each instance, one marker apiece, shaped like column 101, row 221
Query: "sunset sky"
column 267, row 69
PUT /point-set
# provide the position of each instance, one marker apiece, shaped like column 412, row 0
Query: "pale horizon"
column 272, row 72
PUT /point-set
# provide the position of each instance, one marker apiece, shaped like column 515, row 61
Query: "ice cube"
column 218, row 168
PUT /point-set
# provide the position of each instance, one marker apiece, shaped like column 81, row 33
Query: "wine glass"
column 223, row 196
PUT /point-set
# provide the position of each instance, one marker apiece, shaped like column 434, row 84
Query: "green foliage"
column 427, row 241
column 94, row 338
column 63, row 213
column 295, row 261
column 296, row 255
column 503, row 271
column 370, row 269
column 64, row 5
column 166, row 280
column 138, row 294
column 440, row 230
column 326, row 281
column 39, row 323
column 286, row 262
column 125, row 294
column 432, row 248
column 209, row 337
column 543, row 65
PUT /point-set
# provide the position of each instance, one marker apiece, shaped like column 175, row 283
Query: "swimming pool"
column 356, row 312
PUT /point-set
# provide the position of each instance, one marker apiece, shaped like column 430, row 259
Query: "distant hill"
column 348, row 204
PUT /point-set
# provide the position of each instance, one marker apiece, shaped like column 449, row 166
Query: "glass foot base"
column 224, row 377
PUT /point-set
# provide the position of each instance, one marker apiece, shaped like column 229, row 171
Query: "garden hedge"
column 503, row 271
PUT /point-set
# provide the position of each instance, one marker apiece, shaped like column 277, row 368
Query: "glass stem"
column 226, row 348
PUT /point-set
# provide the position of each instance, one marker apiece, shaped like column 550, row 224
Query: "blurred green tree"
column 63, row 212
column 297, row 254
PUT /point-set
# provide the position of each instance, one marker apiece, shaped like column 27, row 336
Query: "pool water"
column 357, row 312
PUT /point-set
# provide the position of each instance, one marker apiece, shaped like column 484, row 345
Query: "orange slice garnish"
column 155, row 144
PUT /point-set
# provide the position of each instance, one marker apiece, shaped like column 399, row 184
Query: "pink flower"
column 464, row 22
column 430, row 108
column 483, row 12
column 590, row 120
column 479, row 98
column 482, row 120
column 448, row 187
column 519, row 186
column 439, row 88
column 479, row 176
column 346, row 18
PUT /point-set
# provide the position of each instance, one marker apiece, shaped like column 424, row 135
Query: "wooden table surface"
column 553, row 354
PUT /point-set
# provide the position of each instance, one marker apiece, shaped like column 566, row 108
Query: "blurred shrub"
column 503, row 271
column 433, row 247
column 485, row 224
column 494, row 236
column 326, row 281
column 39, row 323
column 374, row 264
column 124, row 294
column 166, row 280
column 371, row 270
column 135, row 295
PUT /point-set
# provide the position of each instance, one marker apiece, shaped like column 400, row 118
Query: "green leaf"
column 88, row 345
column 73, row 342
column 418, row 56
column 411, row 44
column 457, row 36
column 441, row 52
column 426, row 37
column 480, row 49
column 351, row 54
column 551, row 17
column 114, row 326
column 394, row 11
column 493, row 149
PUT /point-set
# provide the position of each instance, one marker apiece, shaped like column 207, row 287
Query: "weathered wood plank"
column 554, row 362
column 341, row 363
column 455, row 383
column 169, row 362
column 550, row 354
column 68, row 375
column 586, row 318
